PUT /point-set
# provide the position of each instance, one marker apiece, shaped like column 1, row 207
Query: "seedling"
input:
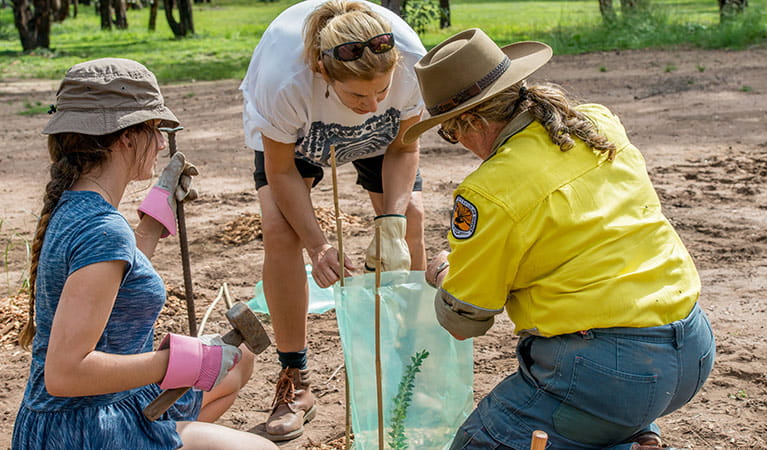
column 402, row 401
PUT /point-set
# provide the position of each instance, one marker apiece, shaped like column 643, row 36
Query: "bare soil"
column 698, row 116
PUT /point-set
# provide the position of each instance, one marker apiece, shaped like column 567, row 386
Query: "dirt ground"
column 698, row 116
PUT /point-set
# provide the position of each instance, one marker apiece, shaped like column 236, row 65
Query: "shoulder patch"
column 464, row 218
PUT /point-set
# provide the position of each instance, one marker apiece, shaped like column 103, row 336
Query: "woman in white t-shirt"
column 329, row 73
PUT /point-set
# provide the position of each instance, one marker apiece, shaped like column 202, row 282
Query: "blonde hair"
column 72, row 155
column 339, row 21
column 549, row 105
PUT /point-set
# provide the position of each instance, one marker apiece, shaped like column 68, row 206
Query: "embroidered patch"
column 464, row 218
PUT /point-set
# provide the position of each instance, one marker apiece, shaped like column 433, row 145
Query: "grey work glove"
column 176, row 177
column 395, row 254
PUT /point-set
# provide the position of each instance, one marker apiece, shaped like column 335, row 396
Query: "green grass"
column 227, row 31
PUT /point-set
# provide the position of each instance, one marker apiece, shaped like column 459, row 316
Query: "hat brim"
column 100, row 122
column 535, row 55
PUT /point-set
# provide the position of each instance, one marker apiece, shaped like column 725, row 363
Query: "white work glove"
column 176, row 177
column 395, row 254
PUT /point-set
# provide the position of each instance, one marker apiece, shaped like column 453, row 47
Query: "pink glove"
column 176, row 177
column 197, row 362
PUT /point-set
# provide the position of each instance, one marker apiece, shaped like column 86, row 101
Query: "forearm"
column 292, row 197
column 148, row 234
column 398, row 176
column 100, row 373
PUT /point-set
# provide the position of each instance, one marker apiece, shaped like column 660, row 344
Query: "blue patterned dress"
column 85, row 229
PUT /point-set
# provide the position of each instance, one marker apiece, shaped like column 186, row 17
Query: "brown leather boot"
column 647, row 441
column 292, row 407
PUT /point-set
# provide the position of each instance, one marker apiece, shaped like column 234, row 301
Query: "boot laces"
column 285, row 391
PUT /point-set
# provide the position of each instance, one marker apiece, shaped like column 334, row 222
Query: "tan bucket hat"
column 467, row 69
column 102, row 96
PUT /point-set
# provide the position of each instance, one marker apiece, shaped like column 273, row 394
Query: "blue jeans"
column 593, row 390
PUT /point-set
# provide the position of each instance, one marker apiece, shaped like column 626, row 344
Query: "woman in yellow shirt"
column 561, row 227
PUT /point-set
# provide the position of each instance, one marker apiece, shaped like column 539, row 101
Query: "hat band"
column 471, row 91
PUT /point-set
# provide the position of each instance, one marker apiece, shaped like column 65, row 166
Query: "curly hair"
column 549, row 104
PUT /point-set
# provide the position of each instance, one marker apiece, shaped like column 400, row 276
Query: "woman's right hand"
column 326, row 269
column 197, row 362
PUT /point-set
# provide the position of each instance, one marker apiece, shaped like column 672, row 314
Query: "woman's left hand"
column 436, row 269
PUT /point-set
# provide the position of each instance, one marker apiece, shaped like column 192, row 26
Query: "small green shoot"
column 22, row 283
column 740, row 395
column 746, row 88
column 402, row 401
column 33, row 109
column 669, row 68
column 602, row 69
column 701, row 68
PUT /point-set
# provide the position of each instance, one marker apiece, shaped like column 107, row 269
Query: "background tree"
column 185, row 24
column 444, row 14
column 33, row 21
column 107, row 8
column 394, row 5
column 730, row 8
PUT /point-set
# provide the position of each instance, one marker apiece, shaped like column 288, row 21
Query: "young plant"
column 398, row 441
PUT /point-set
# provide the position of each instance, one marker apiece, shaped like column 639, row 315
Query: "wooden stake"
column 379, row 387
column 539, row 440
column 339, row 237
column 339, row 230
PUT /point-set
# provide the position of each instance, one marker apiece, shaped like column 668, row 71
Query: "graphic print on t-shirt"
column 371, row 138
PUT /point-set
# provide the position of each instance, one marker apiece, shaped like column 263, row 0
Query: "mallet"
column 246, row 329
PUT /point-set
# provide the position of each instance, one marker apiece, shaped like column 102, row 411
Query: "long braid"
column 71, row 155
column 63, row 175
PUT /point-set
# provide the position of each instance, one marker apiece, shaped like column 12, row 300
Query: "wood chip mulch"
column 13, row 316
column 247, row 227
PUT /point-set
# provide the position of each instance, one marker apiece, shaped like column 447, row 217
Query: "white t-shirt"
column 285, row 100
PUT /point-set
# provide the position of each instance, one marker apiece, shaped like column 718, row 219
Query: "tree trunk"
column 185, row 13
column 105, row 12
column 121, row 18
column 607, row 10
column 153, row 15
column 444, row 14
column 185, row 25
column 730, row 8
column 394, row 5
column 33, row 22
column 633, row 6
column 59, row 10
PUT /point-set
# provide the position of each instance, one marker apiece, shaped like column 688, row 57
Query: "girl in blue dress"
column 94, row 295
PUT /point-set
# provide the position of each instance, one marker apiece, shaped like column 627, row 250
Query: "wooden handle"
column 168, row 397
column 163, row 401
column 540, row 438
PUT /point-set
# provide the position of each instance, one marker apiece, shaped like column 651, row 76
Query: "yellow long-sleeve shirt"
column 565, row 241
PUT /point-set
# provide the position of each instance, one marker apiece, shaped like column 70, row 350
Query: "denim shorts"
column 368, row 173
column 595, row 389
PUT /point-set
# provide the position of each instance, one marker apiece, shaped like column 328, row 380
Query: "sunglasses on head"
column 449, row 136
column 351, row 51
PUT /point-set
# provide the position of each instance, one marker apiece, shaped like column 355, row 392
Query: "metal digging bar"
column 183, row 242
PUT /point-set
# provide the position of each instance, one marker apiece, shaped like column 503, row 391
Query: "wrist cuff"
column 184, row 361
column 389, row 215
column 156, row 205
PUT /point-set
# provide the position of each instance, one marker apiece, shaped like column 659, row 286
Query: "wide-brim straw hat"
column 102, row 96
column 467, row 69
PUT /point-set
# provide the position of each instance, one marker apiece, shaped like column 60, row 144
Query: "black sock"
column 296, row 360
